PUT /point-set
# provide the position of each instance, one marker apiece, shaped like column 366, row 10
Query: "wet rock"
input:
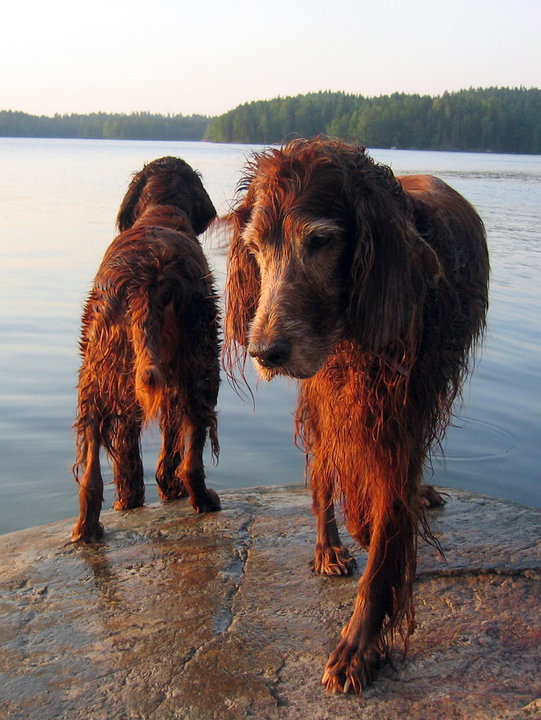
column 218, row 616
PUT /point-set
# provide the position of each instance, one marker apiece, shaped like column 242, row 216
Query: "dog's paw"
column 430, row 497
column 349, row 670
column 171, row 490
column 208, row 501
column 333, row 560
column 128, row 503
column 86, row 533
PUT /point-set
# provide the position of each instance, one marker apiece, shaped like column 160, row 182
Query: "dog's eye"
column 318, row 242
column 252, row 248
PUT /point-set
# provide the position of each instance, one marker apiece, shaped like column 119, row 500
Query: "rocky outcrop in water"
column 218, row 616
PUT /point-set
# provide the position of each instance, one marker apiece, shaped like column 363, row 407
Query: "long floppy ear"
column 243, row 285
column 126, row 214
column 392, row 266
column 203, row 211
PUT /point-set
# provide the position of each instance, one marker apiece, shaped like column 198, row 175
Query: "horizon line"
column 271, row 99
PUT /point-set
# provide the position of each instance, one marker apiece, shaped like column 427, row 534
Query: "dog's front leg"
column 330, row 557
column 383, row 605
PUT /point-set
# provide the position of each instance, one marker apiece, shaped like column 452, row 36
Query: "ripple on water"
column 472, row 439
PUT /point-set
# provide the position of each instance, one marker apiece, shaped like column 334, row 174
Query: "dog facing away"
column 150, row 348
column 372, row 290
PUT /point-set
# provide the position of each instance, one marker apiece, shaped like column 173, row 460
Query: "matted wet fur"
column 150, row 348
column 371, row 290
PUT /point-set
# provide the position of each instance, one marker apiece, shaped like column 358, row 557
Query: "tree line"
column 489, row 120
column 104, row 126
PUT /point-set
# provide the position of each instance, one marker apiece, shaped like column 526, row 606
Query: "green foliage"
column 137, row 126
column 504, row 120
column 493, row 119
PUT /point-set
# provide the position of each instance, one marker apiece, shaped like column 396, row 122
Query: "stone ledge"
column 218, row 616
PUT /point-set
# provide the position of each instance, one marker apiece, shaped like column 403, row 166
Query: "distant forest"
column 104, row 126
column 495, row 119
column 488, row 120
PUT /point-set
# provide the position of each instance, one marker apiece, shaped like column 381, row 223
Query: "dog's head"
column 167, row 181
column 323, row 250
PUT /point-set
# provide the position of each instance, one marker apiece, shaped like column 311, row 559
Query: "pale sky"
column 208, row 56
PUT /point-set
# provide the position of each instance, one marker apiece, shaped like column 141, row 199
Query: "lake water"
column 58, row 203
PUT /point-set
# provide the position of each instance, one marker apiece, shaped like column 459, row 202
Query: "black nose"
column 271, row 355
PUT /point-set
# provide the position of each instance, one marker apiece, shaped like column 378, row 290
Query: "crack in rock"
column 530, row 573
column 234, row 573
column 273, row 684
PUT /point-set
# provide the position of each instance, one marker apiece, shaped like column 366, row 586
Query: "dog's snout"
column 271, row 355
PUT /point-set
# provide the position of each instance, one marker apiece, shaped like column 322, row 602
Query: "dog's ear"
column 428, row 261
column 180, row 185
column 126, row 214
column 391, row 263
column 203, row 211
column 243, row 284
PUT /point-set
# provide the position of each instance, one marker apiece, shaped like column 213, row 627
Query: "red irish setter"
column 150, row 348
column 371, row 290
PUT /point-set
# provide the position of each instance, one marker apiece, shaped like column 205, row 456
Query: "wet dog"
column 371, row 290
column 150, row 348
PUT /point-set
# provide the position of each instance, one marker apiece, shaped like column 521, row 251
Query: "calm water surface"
column 58, row 203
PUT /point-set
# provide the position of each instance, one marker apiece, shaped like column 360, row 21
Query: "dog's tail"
column 147, row 329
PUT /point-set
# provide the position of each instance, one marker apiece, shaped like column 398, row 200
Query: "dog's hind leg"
column 128, row 466
column 192, row 471
column 88, row 527
column 170, row 485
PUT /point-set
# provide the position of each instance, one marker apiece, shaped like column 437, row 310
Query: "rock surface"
column 197, row 617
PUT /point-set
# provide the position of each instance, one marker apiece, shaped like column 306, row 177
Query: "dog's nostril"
column 273, row 354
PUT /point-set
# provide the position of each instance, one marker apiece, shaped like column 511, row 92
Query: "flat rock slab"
column 218, row 616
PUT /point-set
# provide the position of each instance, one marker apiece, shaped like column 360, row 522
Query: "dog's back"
column 454, row 317
column 455, row 231
column 149, row 311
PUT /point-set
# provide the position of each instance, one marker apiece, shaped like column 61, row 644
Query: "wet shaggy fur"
column 150, row 348
column 371, row 290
